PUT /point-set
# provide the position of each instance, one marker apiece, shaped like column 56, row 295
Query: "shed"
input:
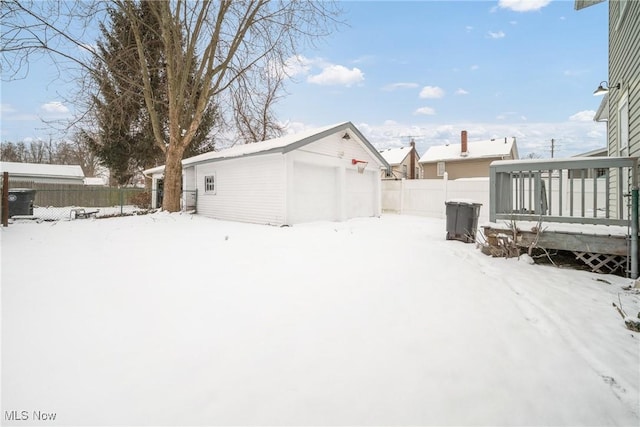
column 43, row 173
column 326, row 174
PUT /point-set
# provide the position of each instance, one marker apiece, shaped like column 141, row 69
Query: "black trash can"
column 462, row 220
column 21, row 201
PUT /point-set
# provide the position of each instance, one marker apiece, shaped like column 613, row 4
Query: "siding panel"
column 250, row 189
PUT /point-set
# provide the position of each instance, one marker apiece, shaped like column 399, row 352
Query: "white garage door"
column 315, row 193
column 360, row 194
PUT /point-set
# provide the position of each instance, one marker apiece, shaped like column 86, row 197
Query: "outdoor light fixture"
column 346, row 136
column 604, row 88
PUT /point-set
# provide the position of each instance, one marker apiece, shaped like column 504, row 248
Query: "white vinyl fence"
column 427, row 197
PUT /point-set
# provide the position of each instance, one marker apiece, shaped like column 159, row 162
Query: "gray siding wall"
column 624, row 68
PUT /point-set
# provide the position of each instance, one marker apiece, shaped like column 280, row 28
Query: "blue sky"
column 427, row 69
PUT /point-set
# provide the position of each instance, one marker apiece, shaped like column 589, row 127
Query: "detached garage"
column 327, row 174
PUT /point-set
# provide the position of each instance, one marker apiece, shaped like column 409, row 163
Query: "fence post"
column 121, row 201
column 5, row 199
column 634, row 233
column 401, row 195
column 445, row 190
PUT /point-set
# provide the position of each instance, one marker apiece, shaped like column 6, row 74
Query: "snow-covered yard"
column 173, row 319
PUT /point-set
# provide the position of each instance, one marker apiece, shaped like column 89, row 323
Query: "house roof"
column 602, row 115
column 43, row 170
column 598, row 152
column 282, row 144
column 581, row 4
column 498, row 147
column 395, row 156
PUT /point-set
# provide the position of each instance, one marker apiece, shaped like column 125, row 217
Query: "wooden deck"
column 603, row 253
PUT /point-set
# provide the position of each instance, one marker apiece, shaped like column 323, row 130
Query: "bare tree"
column 253, row 97
column 224, row 41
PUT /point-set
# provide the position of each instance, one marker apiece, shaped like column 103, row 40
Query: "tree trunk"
column 173, row 179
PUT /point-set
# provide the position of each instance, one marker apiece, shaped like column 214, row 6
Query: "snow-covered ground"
column 174, row 319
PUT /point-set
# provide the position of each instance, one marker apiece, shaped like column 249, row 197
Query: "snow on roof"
column 94, row 180
column 395, row 156
column 498, row 147
column 281, row 144
column 37, row 169
column 258, row 147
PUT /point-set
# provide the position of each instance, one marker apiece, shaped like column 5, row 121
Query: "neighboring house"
column 43, row 173
column 588, row 173
column 467, row 159
column 404, row 162
column 327, row 174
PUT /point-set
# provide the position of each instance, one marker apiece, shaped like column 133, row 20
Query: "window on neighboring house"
column 210, row 184
column 440, row 169
column 404, row 171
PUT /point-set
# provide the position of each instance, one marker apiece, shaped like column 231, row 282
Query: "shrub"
column 142, row 200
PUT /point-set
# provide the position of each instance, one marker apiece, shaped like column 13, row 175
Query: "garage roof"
column 284, row 144
column 42, row 170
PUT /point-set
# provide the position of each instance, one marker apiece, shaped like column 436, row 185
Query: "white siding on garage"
column 248, row 189
column 336, row 147
column 361, row 195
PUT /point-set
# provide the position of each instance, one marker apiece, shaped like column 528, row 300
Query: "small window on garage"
column 440, row 168
column 210, row 184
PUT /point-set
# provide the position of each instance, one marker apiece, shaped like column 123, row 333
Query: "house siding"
column 250, row 189
column 460, row 169
column 624, row 68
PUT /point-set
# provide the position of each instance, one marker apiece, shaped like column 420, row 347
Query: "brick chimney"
column 412, row 153
column 463, row 143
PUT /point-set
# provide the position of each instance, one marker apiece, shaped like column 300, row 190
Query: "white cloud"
column 571, row 137
column 583, row 116
column 498, row 35
column 394, row 86
column 6, row 108
column 337, row 75
column 513, row 22
column 425, row 111
column 469, row 28
column 474, row 67
column 431, row 92
column 296, row 65
column 461, row 91
column 523, row 5
column 54, row 108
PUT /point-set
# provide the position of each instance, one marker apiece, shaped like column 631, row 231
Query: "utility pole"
column 553, row 144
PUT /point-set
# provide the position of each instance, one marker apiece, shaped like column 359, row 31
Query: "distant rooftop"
column 498, row 147
column 395, row 156
column 38, row 169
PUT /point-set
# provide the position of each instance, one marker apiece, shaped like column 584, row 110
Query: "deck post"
column 634, row 233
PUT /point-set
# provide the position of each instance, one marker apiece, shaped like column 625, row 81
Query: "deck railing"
column 580, row 190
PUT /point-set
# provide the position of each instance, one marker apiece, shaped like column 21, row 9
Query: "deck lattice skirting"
column 602, row 253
